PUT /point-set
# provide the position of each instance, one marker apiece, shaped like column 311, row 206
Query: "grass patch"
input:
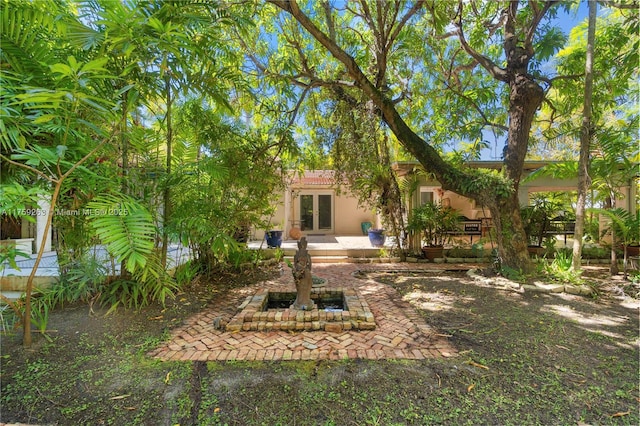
column 523, row 359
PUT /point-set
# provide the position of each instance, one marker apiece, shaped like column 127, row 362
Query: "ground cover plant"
column 524, row 358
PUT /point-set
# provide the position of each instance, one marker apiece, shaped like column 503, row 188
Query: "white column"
column 44, row 205
column 287, row 213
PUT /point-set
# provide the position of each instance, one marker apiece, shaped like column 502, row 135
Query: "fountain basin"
column 337, row 309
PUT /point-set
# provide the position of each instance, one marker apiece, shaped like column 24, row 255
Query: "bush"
column 473, row 252
column 596, row 253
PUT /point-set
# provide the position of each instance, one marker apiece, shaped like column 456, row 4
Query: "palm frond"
column 24, row 27
column 126, row 227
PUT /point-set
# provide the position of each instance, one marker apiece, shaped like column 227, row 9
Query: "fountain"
column 332, row 309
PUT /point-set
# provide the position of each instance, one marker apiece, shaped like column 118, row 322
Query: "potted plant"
column 274, row 238
column 376, row 237
column 436, row 224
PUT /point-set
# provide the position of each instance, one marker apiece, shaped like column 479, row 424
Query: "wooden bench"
column 560, row 227
column 468, row 227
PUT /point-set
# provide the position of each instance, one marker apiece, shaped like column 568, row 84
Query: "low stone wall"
column 253, row 316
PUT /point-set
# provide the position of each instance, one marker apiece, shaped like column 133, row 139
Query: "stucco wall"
column 276, row 221
column 349, row 216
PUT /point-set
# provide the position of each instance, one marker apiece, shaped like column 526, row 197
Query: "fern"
column 125, row 227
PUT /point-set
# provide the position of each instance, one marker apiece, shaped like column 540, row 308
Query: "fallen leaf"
column 167, row 378
column 216, row 410
column 475, row 364
column 470, row 387
column 120, row 397
column 159, row 317
column 131, row 408
column 621, row 414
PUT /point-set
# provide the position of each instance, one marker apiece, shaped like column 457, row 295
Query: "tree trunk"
column 613, row 267
column 124, row 146
column 26, row 320
column 584, row 180
column 510, row 236
column 167, row 188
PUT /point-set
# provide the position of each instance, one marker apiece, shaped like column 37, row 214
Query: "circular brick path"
column 400, row 331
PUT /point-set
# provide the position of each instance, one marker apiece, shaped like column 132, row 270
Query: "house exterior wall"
column 349, row 216
column 276, row 221
column 470, row 209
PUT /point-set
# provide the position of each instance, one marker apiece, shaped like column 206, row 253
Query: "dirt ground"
column 524, row 358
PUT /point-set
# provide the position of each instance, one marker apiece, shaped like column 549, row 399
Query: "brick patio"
column 401, row 333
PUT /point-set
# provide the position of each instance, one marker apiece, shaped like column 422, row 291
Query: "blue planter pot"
column 376, row 237
column 274, row 238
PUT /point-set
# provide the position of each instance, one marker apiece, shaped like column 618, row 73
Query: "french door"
column 316, row 212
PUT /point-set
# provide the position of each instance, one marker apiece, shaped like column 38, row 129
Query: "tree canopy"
column 189, row 112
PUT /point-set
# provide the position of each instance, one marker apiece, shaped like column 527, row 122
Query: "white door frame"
column 316, row 214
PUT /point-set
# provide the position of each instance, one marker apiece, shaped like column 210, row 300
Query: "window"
column 429, row 194
column 426, row 197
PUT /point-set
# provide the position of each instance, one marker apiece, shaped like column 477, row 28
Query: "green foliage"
column 8, row 254
column 549, row 245
column 615, row 101
column 625, row 225
column 83, row 280
column 536, row 217
column 149, row 284
column 512, row 274
column 595, row 253
column 125, row 226
column 560, row 268
column 185, row 273
column 434, row 222
column 228, row 189
column 17, row 200
column 484, row 182
column 476, row 251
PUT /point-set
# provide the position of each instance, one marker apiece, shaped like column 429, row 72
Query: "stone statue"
column 302, row 276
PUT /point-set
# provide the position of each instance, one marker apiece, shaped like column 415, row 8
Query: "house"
column 315, row 203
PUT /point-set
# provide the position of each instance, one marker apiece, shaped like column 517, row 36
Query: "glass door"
column 316, row 212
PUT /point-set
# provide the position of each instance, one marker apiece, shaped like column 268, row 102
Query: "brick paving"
column 401, row 333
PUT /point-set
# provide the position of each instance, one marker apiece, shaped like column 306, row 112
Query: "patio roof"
column 313, row 178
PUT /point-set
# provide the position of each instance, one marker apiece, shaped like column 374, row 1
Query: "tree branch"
column 423, row 152
column 27, row 167
column 290, row 123
column 329, row 19
column 475, row 106
column 486, row 63
column 538, row 15
column 396, row 31
column 634, row 5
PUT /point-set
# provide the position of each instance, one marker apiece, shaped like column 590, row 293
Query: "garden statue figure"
column 302, row 277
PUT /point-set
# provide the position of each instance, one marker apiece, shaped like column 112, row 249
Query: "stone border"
column 505, row 284
column 253, row 315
